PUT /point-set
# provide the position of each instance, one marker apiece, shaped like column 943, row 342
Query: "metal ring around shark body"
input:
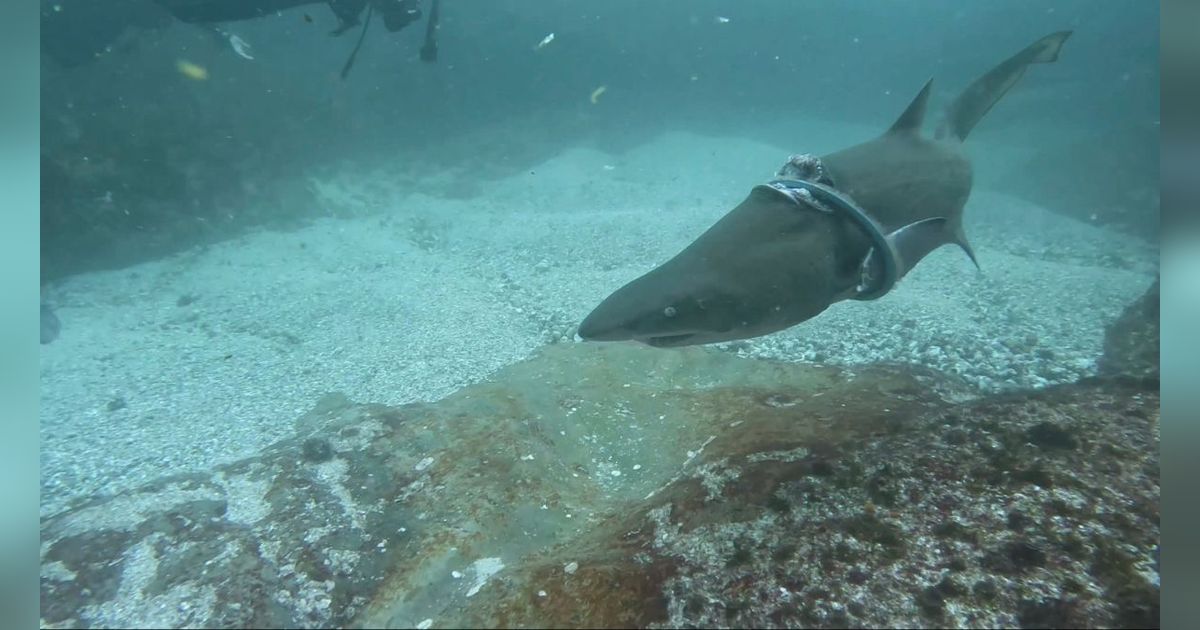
column 795, row 189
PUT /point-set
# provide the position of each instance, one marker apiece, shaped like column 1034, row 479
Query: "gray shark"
column 842, row 226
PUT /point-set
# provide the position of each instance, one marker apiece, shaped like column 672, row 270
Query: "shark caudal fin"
column 980, row 96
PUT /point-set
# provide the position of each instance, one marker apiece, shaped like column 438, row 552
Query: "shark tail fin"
column 979, row 97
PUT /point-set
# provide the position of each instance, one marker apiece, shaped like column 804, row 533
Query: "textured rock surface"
column 1131, row 344
column 619, row 485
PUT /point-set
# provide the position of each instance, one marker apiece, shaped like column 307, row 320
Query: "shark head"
column 762, row 268
column 667, row 307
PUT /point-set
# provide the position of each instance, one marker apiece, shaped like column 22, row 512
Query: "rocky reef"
column 618, row 486
column 1131, row 344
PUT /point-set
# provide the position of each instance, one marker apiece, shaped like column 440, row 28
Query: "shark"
column 847, row 225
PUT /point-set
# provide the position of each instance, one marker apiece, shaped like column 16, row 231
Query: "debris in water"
column 545, row 40
column 240, row 46
column 191, row 70
column 595, row 97
column 571, row 568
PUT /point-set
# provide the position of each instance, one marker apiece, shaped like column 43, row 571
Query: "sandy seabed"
column 209, row 356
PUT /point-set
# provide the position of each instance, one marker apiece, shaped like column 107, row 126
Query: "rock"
column 316, row 450
column 50, row 325
column 775, row 519
column 1131, row 343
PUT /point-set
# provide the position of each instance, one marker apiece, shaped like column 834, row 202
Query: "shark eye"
column 669, row 311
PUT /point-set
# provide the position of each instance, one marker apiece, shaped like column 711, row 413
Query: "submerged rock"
column 1131, row 343
column 751, row 493
column 50, row 325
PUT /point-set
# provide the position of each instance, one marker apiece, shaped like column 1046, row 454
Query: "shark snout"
column 624, row 315
column 602, row 326
column 660, row 308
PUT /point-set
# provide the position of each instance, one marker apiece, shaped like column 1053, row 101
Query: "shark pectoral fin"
column 915, row 240
column 960, row 239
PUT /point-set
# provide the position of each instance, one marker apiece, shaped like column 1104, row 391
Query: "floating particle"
column 191, row 70
column 423, row 464
column 424, row 625
column 241, row 47
column 571, row 568
column 527, row 458
column 637, row 466
column 545, row 40
column 595, row 97
column 721, row 20
column 456, row 574
column 541, row 593
column 615, row 473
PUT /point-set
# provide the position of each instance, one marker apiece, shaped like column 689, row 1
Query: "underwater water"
column 310, row 352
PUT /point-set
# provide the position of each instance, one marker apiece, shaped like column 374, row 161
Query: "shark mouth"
column 667, row 341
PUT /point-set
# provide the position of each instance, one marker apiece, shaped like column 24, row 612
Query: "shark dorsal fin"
column 910, row 121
